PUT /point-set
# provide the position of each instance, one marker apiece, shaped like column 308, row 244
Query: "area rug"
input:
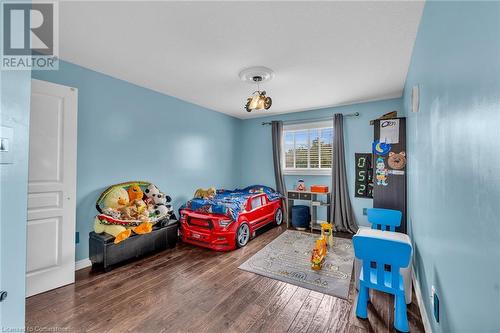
column 287, row 258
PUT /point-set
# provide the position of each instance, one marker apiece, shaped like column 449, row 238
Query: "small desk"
column 314, row 203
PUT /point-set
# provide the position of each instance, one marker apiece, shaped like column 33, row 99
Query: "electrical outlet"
column 436, row 308
column 365, row 211
column 435, row 303
column 77, row 237
column 6, row 144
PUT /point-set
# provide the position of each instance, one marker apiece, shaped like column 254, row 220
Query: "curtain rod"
column 355, row 114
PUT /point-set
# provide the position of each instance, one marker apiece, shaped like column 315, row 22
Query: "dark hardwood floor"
column 190, row 289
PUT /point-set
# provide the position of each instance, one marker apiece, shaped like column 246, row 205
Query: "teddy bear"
column 397, row 161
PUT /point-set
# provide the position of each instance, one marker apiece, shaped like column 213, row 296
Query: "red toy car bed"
column 224, row 232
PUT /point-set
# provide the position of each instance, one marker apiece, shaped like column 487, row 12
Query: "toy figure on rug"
column 318, row 254
column 327, row 233
column 205, row 194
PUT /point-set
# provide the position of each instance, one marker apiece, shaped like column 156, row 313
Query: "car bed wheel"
column 242, row 235
column 278, row 216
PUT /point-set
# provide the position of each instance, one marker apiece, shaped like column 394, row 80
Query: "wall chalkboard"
column 363, row 187
column 389, row 166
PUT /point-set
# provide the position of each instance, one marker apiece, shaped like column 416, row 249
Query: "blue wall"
column 15, row 91
column 126, row 132
column 454, row 162
column 257, row 154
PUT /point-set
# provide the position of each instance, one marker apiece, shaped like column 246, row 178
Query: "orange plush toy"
column 143, row 228
column 122, row 236
column 134, row 192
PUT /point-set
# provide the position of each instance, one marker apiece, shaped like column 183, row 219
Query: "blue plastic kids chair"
column 381, row 218
column 382, row 252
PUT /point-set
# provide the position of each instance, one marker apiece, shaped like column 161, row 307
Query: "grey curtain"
column 277, row 135
column 342, row 213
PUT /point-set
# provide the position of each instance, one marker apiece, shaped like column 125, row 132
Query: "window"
column 257, row 202
column 308, row 148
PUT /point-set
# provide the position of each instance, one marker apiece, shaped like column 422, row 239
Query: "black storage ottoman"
column 105, row 254
column 301, row 217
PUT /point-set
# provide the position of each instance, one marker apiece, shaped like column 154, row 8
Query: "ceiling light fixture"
column 258, row 100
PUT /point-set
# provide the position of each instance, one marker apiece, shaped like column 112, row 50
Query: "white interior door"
column 51, row 187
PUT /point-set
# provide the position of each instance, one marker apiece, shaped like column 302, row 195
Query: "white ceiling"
column 323, row 53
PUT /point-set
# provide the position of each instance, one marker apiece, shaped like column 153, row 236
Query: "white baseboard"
column 421, row 305
column 80, row 264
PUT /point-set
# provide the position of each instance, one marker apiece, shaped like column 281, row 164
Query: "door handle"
column 3, row 295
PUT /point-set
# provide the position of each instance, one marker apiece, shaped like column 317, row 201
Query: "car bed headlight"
column 224, row 223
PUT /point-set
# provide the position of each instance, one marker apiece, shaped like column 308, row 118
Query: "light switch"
column 4, row 145
column 6, row 137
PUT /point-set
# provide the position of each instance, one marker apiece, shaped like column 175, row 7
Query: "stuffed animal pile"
column 128, row 208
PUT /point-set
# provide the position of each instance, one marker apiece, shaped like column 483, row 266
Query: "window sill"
column 307, row 172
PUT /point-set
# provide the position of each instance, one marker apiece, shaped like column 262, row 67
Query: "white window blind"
column 308, row 148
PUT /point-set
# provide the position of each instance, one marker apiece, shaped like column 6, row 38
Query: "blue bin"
column 301, row 216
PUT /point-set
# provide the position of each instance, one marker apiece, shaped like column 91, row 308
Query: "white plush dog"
column 151, row 191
